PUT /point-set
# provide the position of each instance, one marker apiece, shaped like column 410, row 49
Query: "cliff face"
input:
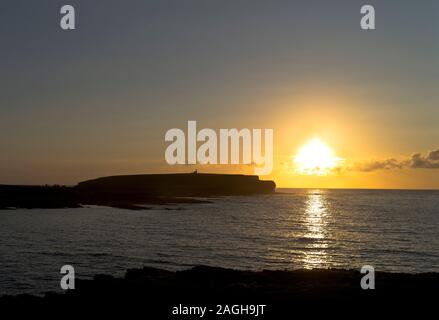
column 176, row 185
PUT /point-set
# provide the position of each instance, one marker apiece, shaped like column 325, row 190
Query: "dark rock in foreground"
column 155, row 293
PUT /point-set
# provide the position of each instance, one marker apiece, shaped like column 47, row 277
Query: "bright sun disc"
column 315, row 158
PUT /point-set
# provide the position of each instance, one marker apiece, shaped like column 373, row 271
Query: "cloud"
column 416, row 161
column 368, row 166
column 430, row 161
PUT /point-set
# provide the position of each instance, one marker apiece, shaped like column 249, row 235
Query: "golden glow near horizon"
column 315, row 158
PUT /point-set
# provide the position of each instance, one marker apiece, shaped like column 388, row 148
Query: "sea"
column 391, row 230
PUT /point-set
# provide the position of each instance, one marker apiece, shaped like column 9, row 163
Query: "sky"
column 99, row 99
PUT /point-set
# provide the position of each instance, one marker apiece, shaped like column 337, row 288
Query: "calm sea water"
column 391, row 230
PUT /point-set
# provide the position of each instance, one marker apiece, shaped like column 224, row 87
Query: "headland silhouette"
column 134, row 191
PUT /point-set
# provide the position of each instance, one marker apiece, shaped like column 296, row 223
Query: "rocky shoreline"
column 156, row 292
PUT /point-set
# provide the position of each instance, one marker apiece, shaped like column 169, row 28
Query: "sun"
column 316, row 158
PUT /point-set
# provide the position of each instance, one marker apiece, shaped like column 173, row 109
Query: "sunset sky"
column 98, row 100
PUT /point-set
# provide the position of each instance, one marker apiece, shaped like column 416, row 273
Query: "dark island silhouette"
column 134, row 191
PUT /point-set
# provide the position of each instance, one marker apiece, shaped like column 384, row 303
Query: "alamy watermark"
column 368, row 281
column 235, row 146
column 68, row 280
column 67, row 21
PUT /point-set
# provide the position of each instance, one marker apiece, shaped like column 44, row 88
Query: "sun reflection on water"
column 315, row 219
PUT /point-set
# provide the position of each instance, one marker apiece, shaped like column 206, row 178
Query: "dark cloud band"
column 416, row 161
